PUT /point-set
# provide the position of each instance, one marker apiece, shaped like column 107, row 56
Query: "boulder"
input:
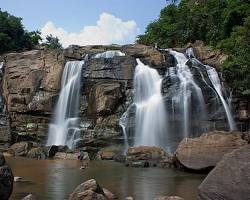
column 90, row 190
column 109, row 195
column 204, row 152
column 106, row 155
column 21, row 148
column 66, row 156
column 230, row 179
column 52, row 150
column 147, row 54
column 144, row 156
column 37, row 153
column 6, row 179
column 168, row 198
column 29, row 197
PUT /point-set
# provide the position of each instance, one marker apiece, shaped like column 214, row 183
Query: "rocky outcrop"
column 144, row 156
column 91, row 190
column 208, row 55
column 204, row 152
column 230, row 179
column 21, row 148
column 6, row 179
column 30, row 85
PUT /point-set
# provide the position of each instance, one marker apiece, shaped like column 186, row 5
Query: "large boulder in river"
column 6, row 179
column 230, row 179
column 91, row 190
column 145, row 156
column 204, row 152
column 21, row 148
column 37, row 153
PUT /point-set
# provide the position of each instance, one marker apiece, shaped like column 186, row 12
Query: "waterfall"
column 217, row 87
column 185, row 90
column 63, row 129
column 109, row 54
column 150, row 116
column 213, row 76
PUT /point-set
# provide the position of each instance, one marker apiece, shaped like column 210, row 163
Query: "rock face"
column 91, row 190
column 144, row 156
column 30, row 84
column 230, row 179
column 206, row 151
column 6, row 179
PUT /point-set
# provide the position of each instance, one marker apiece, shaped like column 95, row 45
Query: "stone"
column 6, row 179
column 37, row 153
column 109, row 195
column 168, row 198
column 230, row 179
column 52, row 150
column 106, row 155
column 129, row 198
column 148, row 55
column 204, row 152
column 145, row 156
column 66, row 156
column 29, row 197
column 21, row 148
column 88, row 190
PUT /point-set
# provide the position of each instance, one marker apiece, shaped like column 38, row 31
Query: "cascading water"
column 150, row 116
column 213, row 75
column 63, row 129
column 215, row 80
column 184, row 91
column 109, row 54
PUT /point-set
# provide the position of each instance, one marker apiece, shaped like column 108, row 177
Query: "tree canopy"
column 223, row 24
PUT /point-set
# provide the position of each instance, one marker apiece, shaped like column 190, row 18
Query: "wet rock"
column 37, row 153
column 119, row 158
column 89, row 190
column 230, row 179
column 168, row 198
column 6, row 179
column 29, row 197
column 21, row 148
column 129, row 198
column 66, row 156
column 52, row 150
column 204, row 152
column 144, row 156
column 109, row 195
column 106, row 155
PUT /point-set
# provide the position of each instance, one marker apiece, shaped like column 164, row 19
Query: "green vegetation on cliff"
column 223, row 24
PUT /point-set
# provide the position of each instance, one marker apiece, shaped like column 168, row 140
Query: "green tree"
column 52, row 42
column 223, row 24
column 13, row 37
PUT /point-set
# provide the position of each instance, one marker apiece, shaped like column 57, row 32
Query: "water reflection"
column 52, row 179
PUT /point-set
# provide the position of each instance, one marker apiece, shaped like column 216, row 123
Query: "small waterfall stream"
column 63, row 129
column 151, row 118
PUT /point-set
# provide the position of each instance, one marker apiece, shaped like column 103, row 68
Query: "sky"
column 85, row 22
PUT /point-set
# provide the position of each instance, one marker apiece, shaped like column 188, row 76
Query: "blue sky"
column 66, row 19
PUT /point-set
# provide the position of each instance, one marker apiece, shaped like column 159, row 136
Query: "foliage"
column 52, row 42
column 13, row 37
column 222, row 24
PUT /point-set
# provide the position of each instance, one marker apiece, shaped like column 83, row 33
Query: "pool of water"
column 56, row 179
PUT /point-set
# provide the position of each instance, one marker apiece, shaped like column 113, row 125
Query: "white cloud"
column 108, row 30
